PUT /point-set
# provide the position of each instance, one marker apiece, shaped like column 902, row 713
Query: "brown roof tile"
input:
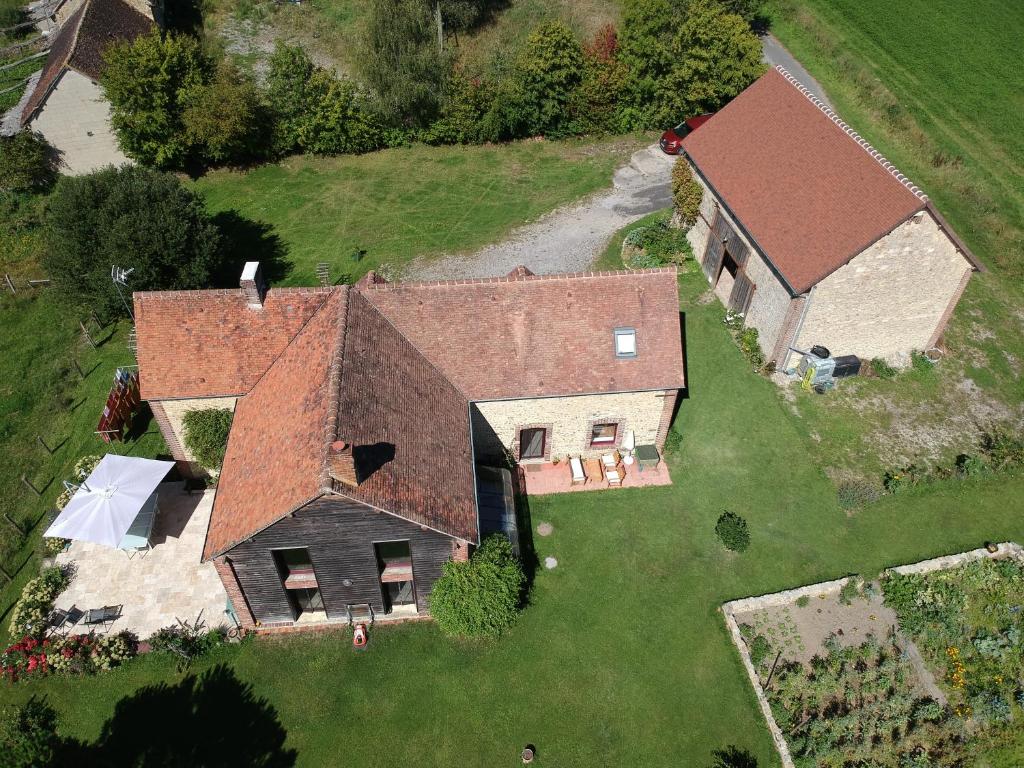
column 80, row 42
column 528, row 335
column 804, row 187
column 209, row 343
column 276, row 448
column 409, row 425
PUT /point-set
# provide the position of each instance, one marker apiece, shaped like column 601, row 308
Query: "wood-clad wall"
column 339, row 535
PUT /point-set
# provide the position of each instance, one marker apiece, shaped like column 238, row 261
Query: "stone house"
column 67, row 104
column 814, row 236
column 367, row 418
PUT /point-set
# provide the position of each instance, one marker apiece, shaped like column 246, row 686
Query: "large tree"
column 716, row 55
column 224, row 120
column 149, row 82
column 402, row 62
column 27, row 162
column 134, row 218
column 645, row 48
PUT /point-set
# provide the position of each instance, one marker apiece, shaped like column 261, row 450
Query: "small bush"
column 898, row 480
column 27, row 163
column 206, row 435
column 850, row 590
column 882, row 369
column 480, row 596
column 989, row 708
column 1003, row 448
column 33, row 607
column 969, row 465
column 185, row 642
column 655, row 245
column 673, row 441
column 856, row 493
column 751, row 349
column 28, row 735
column 760, row 649
column 686, row 193
column 803, row 601
column 732, row 531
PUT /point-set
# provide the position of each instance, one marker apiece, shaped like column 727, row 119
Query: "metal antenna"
column 120, row 277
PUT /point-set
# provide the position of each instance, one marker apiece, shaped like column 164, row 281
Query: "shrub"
column 969, row 465
column 28, row 735
column 732, row 531
column 856, row 493
column 751, row 349
column 75, row 654
column 185, row 642
column 338, row 119
column 898, row 480
column 882, row 369
column 990, row 708
column 595, row 104
column 85, row 465
column 686, row 193
column 803, row 601
column 206, row 435
column 135, row 218
column 224, row 118
column 673, row 441
column 549, row 67
column 760, row 648
column 27, row 162
column 480, row 596
column 462, row 110
column 655, row 245
column 54, row 545
column 149, row 82
column 1003, row 448
column 33, row 607
column 850, row 590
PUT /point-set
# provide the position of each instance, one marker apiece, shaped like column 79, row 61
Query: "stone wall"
column 75, row 119
column 170, row 415
column 890, row 299
column 771, row 300
column 496, row 423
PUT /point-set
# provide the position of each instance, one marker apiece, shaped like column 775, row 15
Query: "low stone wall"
column 776, row 599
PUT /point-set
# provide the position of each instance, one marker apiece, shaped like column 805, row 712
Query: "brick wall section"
column 496, row 423
column 231, row 586
column 460, row 551
column 891, row 298
column 667, row 410
column 771, row 300
column 787, row 334
column 171, row 438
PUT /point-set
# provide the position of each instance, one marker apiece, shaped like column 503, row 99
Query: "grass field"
column 621, row 657
column 402, row 203
column 935, row 86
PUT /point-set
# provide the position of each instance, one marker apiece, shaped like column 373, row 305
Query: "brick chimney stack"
column 253, row 285
column 343, row 463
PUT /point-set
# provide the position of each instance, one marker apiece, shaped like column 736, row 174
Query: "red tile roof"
column 408, row 418
column 276, row 449
column 81, row 41
column 528, row 335
column 810, row 192
column 210, row 343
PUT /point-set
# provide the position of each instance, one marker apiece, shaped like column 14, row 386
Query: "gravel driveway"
column 569, row 238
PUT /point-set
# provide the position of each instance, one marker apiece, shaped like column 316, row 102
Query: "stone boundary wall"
column 730, row 609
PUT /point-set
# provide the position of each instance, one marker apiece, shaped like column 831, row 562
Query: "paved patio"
column 556, row 478
column 156, row 587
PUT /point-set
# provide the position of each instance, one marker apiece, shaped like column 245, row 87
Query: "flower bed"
column 33, row 607
column 76, row 654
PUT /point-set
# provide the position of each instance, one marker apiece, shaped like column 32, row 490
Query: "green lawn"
column 401, row 203
column 621, row 657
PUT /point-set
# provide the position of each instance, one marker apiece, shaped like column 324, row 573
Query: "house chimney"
column 343, row 463
column 252, row 284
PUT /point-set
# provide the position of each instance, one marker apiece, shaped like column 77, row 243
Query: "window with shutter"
column 713, row 258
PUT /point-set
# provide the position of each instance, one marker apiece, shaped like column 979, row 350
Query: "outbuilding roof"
column 805, row 186
column 81, row 41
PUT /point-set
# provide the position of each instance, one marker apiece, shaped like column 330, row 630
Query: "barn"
column 813, row 236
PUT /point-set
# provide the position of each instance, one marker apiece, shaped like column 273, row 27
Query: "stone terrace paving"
column 157, row 587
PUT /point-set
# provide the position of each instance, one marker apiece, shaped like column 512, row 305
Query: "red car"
column 672, row 139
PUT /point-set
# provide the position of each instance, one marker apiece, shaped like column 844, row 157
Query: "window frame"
column 624, row 332
column 543, row 442
column 604, row 443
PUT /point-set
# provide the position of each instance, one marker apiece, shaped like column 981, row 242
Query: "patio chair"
column 106, row 615
column 60, row 620
column 611, row 465
column 579, row 477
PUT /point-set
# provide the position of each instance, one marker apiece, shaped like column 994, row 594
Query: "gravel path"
column 569, row 238
column 776, row 55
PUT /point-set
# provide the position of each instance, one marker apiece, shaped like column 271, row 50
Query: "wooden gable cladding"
column 742, row 292
column 339, row 534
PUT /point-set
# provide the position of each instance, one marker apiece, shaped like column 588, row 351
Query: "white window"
column 625, row 342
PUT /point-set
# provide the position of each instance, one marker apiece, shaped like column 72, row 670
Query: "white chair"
column 579, row 477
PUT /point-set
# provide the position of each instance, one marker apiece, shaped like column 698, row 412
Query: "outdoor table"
column 141, row 528
column 647, row 457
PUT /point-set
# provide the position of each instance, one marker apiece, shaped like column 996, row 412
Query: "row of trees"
column 173, row 104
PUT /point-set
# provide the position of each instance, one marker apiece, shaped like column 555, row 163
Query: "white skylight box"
column 625, row 342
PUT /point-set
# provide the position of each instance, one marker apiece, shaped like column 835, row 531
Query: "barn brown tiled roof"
column 803, row 186
column 81, row 41
column 527, row 335
column 276, row 449
column 409, row 425
column 210, row 343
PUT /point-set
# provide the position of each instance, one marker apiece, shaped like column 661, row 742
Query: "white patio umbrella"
column 108, row 501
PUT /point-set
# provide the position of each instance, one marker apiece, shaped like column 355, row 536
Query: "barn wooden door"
column 742, row 291
column 716, row 247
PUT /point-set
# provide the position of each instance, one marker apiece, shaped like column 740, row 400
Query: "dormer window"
column 625, row 342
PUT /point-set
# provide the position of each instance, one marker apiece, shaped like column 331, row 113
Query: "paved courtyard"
column 156, row 587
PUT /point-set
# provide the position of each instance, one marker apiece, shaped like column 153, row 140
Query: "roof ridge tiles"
column 334, row 373
column 450, row 283
column 877, row 156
